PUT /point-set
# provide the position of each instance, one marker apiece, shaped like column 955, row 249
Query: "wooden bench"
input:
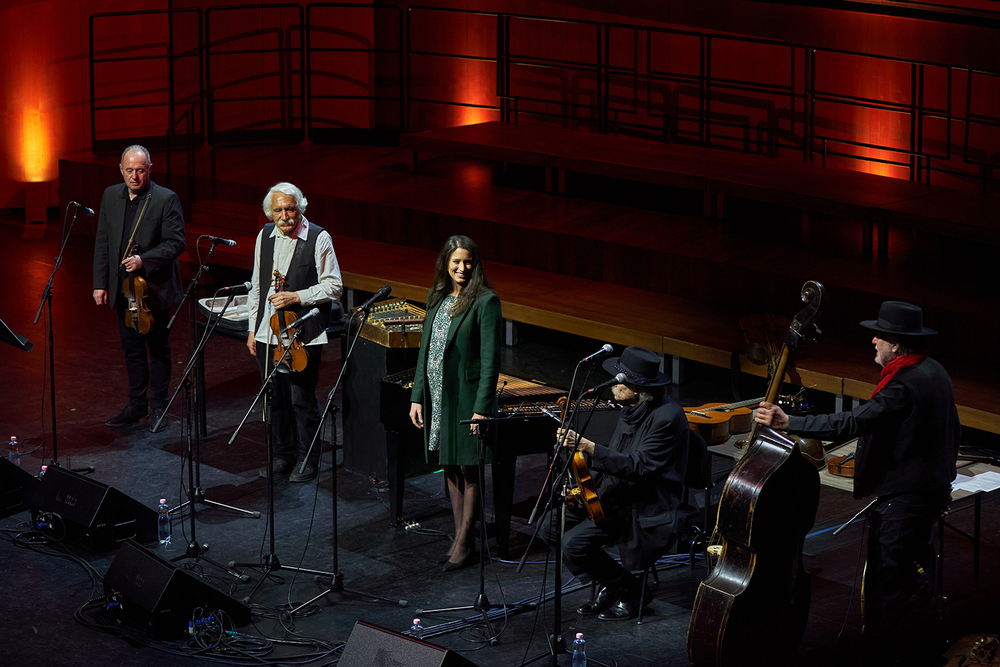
column 875, row 200
column 673, row 326
column 676, row 327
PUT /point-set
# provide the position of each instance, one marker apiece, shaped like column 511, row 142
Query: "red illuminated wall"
column 46, row 109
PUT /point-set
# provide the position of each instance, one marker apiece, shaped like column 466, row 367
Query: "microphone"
column 297, row 324
column 381, row 294
column 605, row 350
column 242, row 288
column 89, row 212
column 217, row 240
column 618, row 379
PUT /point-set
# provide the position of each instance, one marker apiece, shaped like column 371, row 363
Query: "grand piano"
column 526, row 429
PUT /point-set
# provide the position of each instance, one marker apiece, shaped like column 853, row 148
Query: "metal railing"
column 331, row 78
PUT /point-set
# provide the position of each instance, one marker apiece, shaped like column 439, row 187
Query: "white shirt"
column 329, row 287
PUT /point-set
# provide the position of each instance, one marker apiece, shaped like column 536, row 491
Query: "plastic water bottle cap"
column 44, row 468
column 579, row 635
column 163, row 501
column 416, row 621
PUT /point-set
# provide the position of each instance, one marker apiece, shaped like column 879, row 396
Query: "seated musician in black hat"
column 639, row 478
column 908, row 437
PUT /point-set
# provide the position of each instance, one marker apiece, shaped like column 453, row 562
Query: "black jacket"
column 908, row 433
column 160, row 239
column 641, row 479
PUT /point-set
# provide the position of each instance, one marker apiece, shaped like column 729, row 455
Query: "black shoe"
column 471, row 557
column 306, row 474
column 604, row 598
column 281, row 468
column 623, row 610
column 157, row 413
column 133, row 412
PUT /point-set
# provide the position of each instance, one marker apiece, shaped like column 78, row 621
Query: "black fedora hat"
column 640, row 366
column 900, row 319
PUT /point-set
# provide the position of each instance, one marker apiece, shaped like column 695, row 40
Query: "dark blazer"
column 909, row 433
column 160, row 239
column 640, row 478
column 469, row 379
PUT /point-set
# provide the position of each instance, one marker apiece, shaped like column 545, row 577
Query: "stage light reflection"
column 36, row 154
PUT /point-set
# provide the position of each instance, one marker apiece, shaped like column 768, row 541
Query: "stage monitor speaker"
column 372, row 646
column 16, row 488
column 83, row 511
column 156, row 598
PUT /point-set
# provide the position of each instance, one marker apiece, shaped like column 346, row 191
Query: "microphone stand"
column 195, row 493
column 271, row 562
column 557, row 503
column 482, row 603
column 194, row 549
column 337, row 580
column 46, row 303
column 189, row 293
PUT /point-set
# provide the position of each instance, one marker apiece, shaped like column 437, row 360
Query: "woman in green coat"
column 456, row 379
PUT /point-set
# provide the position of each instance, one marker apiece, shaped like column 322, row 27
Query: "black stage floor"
column 390, row 573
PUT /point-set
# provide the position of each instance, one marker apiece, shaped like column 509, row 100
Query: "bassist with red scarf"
column 908, row 436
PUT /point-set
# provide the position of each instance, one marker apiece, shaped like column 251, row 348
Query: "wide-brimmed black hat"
column 640, row 366
column 900, row 319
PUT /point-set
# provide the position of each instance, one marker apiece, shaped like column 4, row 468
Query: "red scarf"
column 895, row 366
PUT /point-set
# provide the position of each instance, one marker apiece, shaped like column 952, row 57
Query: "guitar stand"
column 482, row 603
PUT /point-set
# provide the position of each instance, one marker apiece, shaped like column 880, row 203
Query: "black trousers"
column 900, row 614
column 294, row 406
column 147, row 357
column 584, row 544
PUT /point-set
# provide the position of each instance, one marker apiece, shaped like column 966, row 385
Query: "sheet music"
column 985, row 482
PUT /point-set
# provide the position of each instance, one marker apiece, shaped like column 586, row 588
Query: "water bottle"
column 417, row 630
column 14, row 451
column 163, row 522
column 579, row 651
column 41, row 473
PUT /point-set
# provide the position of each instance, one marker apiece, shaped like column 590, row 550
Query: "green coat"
column 469, row 377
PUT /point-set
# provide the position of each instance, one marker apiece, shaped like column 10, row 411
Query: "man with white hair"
column 302, row 255
column 151, row 216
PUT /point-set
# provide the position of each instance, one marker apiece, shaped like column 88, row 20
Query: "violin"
column 841, row 466
column 585, row 491
column 137, row 315
column 283, row 327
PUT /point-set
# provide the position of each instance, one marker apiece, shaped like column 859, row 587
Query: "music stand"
column 337, row 580
column 482, row 603
column 11, row 338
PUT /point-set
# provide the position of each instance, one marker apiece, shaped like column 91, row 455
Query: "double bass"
column 754, row 606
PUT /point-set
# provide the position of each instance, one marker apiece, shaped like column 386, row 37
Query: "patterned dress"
column 435, row 366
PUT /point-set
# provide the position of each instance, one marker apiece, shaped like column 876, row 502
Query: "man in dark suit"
column 908, row 437
column 159, row 241
column 639, row 478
